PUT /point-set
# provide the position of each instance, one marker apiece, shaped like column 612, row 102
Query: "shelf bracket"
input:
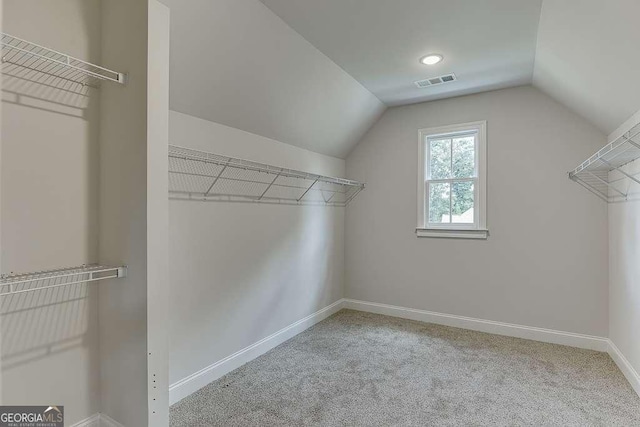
column 589, row 188
column 607, row 184
column 122, row 272
column 269, row 186
column 307, row 190
column 633, row 178
column 631, row 141
column 215, row 180
column 332, row 196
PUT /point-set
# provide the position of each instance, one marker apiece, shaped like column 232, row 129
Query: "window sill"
column 448, row 233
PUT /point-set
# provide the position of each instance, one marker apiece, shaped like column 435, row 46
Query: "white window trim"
column 462, row 231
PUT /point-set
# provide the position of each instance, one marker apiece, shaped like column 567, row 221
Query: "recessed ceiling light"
column 431, row 59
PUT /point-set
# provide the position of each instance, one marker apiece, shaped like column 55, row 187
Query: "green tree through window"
column 451, row 173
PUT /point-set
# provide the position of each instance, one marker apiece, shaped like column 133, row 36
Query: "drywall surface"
column 490, row 44
column 0, row 212
column 158, row 215
column 123, row 213
column 242, row 271
column 237, row 63
column 545, row 262
column 624, row 273
column 586, row 57
column 50, row 212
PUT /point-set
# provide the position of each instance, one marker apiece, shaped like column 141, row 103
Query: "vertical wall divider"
column 158, row 215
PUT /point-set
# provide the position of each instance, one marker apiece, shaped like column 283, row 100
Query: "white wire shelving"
column 11, row 284
column 608, row 173
column 198, row 175
column 44, row 65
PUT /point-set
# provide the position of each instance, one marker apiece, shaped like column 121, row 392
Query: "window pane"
column 463, row 203
column 464, row 157
column 439, row 204
column 440, row 158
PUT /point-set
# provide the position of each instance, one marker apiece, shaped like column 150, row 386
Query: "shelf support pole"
column 307, row 190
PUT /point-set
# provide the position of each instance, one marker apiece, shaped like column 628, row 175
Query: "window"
column 452, row 181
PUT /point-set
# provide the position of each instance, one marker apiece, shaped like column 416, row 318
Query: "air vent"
column 434, row 81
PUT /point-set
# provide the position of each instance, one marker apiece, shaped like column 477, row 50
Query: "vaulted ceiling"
column 588, row 58
column 318, row 74
column 488, row 44
column 236, row 63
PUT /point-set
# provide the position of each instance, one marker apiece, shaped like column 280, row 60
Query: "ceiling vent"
column 434, row 81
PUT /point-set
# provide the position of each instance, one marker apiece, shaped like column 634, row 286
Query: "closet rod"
column 611, row 173
column 198, row 175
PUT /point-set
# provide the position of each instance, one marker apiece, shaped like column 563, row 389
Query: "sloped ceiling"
column 588, row 58
column 311, row 72
column 236, row 63
column 488, row 44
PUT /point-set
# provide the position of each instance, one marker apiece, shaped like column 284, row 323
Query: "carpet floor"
column 362, row 369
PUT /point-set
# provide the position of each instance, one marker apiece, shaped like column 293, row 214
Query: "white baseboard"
column 629, row 372
column 98, row 420
column 489, row 326
column 92, row 421
column 519, row 331
column 194, row 382
column 107, row 421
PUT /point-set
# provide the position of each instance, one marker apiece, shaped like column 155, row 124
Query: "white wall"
column 545, row 262
column 123, row 213
column 586, row 60
column 237, row 63
column 1, row 380
column 158, row 215
column 241, row 271
column 77, row 188
column 624, row 296
column 50, row 212
column 624, row 267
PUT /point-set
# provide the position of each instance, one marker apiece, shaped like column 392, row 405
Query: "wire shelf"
column 197, row 175
column 608, row 173
column 11, row 284
column 45, row 65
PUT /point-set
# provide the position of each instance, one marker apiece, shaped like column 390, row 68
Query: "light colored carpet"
column 361, row 369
